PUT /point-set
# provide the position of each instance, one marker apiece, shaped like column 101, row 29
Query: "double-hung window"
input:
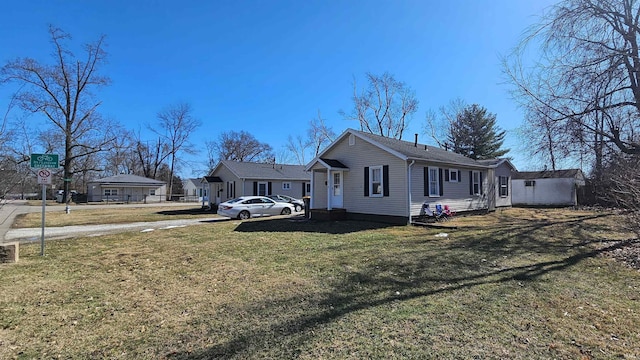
column 503, row 182
column 476, row 183
column 286, row 186
column 434, row 182
column 375, row 181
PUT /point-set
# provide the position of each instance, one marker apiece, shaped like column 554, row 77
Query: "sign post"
column 43, row 162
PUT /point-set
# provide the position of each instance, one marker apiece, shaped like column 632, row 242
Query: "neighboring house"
column 503, row 172
column 193, row 190
column 366, row 176
column 231, row 179
column 125, row 187
column 547, row 188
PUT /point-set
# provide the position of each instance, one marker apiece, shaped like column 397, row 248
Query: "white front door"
column 336, row 189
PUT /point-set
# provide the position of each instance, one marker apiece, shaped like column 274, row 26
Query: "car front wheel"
column 244, row 215
column 285, row 211
column 298, row 208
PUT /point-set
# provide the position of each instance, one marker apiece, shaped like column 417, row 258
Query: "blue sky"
column 267, row 67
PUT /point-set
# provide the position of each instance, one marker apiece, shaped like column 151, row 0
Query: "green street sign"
column 44, row 161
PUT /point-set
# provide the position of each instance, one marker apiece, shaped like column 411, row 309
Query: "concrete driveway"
column 10, row 209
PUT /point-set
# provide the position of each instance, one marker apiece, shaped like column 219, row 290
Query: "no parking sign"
column 44, row 177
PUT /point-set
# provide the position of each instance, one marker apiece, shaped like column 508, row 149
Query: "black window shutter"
column 270, row 189
column 385, row 180
column 255, row 188
column 459, row 176
column 440, row 181
column 234, row 190
column 426, row 181
column 480, row 185
column 470, row 182
column 446, row 175
column 304, row 185
column 507, row 186
column 366, row 181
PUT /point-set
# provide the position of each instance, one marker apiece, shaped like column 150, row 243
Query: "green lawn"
column 517, row 284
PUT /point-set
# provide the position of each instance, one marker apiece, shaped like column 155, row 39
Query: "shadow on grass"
column 298, row 225
column 404, row 274
column 190, row 211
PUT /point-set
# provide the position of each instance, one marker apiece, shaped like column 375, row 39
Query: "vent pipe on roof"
column 415, row 144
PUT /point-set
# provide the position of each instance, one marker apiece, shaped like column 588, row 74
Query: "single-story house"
column 193, row 189
column 126, row 187
column 231, row 179
column 502, row 187
column 547, row 188
column 366, row 176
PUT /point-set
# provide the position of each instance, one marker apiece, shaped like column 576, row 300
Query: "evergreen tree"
column 474, row 133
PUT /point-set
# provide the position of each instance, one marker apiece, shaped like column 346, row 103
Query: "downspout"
column 409, row 187
column 329, row 186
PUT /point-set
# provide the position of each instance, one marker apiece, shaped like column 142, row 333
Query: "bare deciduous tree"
column 298, row 147
column 177, row 124
column 238, row 146
column 62, row 92
column 319, row 134
column 587, row 79
column 438, row 123
column 384, row 107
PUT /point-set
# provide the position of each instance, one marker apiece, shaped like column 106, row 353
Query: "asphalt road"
column 10, row 209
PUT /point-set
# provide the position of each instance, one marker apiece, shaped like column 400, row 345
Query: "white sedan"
column 246, row 207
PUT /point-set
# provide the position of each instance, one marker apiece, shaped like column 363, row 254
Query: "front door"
column 262, row 189
column 336, row 189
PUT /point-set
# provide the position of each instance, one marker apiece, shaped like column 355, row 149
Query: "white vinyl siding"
column 356, row 157
column 456, row 195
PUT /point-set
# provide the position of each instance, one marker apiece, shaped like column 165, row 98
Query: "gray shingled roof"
column 128, row 179
column 250, row 170
column 548, row 174
column 420, row 151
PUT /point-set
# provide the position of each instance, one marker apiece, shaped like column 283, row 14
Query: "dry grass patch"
column 88, row 215
column 517, row 284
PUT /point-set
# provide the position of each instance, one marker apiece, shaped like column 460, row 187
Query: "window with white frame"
column 434, row 182
column 110, row 192
column 503, row 182
column 308, row 187
column 375, row 181
column 152, row 192
column 453, row 175
column 529, row 183
column 286, row 186
column 476, row 183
